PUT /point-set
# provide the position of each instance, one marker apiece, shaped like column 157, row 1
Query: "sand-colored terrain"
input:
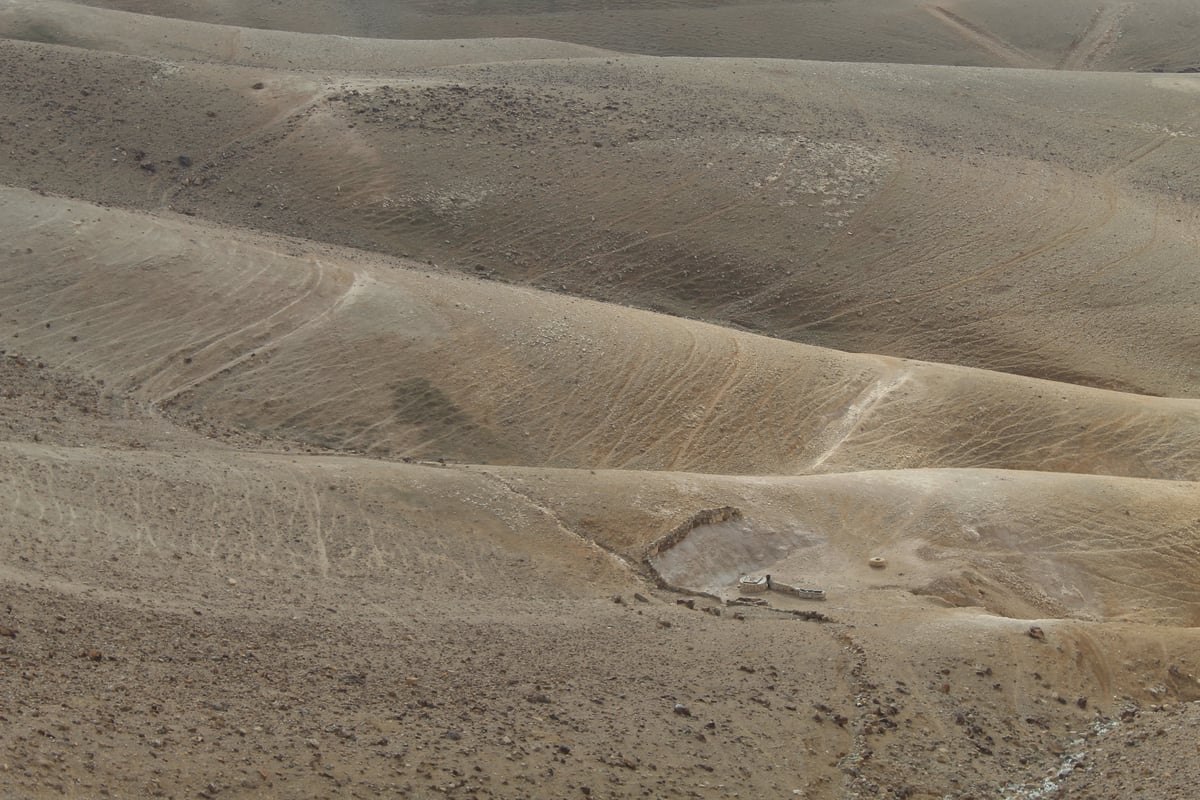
column 1111, row 35
column 392, row 394
column 975, row 217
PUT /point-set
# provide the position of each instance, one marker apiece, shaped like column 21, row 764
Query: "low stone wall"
column 798, row 591
column 709, row 516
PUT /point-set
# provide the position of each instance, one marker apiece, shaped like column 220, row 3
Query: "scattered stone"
column 184, row 161
column 259, row 85
column 641, row 598
column 877, row 562
column 92, row 654
column 682, row 710
column 618, row 599
column 620, row 760
column 7, row 631
column 1036, row 633
column 689, row 602
column 538, row 697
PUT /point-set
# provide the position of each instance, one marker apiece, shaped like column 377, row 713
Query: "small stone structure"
column 709, row 516
column 763, row 584
column 747, row 584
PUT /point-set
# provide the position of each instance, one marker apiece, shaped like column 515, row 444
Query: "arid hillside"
column 1068, row 34
column 365, row 354
column 975, row 217
column 393, row 396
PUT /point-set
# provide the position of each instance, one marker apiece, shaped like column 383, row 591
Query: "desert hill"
column 143, row 34
column 393, row 393
column 341, row 350
column 840, row 205
column 368, row 625
column 1070, row 34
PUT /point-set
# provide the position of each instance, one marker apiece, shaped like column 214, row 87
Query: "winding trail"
column 839, row 432
column 355, row 286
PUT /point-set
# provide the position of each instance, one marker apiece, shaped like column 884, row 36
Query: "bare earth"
column 392, row 394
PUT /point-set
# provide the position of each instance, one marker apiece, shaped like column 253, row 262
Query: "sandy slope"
column 349, row 352
column 67, row 23
column 316, row 480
